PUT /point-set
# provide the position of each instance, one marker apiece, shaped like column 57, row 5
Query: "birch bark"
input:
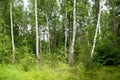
column 71, row 53
column 12, row 33
column 66, row 33
column 95, row 37
column 100, row 5
column 48, row 32
column 37, row 36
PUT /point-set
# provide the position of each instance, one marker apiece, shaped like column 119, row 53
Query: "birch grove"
column 49, row 36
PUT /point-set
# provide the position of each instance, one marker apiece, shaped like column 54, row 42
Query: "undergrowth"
column 60, row 72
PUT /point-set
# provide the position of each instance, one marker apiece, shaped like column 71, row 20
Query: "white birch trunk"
column 66, row 34
column 12, row 33
column 100, row 5
column 37, row 36
column 95, row 37
column 40, row 43
column 71, row 54
column 48, row 33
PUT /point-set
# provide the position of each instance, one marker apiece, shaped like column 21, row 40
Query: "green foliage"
column 62, row 72
column 25, row 58
column 82, row 52
column 27, row 63
column 5, row 50
column 52, row 59
column 53, row 65
column 61, row 55
column 107, row 52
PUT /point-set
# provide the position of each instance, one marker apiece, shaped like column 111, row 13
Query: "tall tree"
column 12, row 33
column 47, row 22
column 48, row 36
column 96, row 32
column 71, row 53
column 37, row 36
column 66, row 33
column 65, row 14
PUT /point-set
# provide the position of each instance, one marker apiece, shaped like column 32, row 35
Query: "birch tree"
column 37, row 36
column 48, row 32
column 12, row 33
column 96, row 32
column 71, row 53
column 66, row 33
column 100, row 9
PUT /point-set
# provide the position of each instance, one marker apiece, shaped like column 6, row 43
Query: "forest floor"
column 60, row 72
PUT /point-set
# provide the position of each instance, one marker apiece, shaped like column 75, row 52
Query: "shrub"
column 27, row 60
column 107, row 53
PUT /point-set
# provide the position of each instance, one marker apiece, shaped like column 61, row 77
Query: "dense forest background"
column 79, row 38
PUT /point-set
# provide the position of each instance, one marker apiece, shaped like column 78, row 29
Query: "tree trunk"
column 40, row 43
column 37, row 36
column 12, row 33
column 71, row 53
column 100, row 5
column 48, row 32
column 66, row 34
column 95, row 37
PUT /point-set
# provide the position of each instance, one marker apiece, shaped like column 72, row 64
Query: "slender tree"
column 47, row 21
column 100, row 6
column 71, row 53
column 66, row 33
column 48, row 32
column 12, row 33
column 96, row 32
column 37, row 36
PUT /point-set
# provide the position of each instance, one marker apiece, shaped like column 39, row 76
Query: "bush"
column 107, row 53
column 5, row 50
column 27, row 62
column 27, row 59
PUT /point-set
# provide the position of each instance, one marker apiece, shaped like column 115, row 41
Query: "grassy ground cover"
column 60, row 72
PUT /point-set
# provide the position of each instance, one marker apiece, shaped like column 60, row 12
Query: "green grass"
column 60, row 72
